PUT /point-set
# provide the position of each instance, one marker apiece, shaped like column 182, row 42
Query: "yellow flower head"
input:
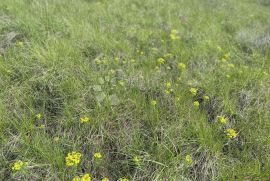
column 181, row 66
column 105, row 179
column 20, row 43
column 174, row 36
column 167, row 92
column 42, row 126
column 17, row 165
column 153, row 102
column 56, row 139
column 73, row 159
column 168, row 55
column 97, row 155
column 84, row 119
column 231, row 133
column 206, row 98
column 189, row 159
column 137, row 161
column 168, row 85
column 76, row 179
column 196, row 104
column 123, row 179
column 38, row 116
column 222, row 119
column 86, row 177
column 160, row 61
column 193, row 91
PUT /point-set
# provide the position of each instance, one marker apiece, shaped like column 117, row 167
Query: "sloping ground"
column 142, row 90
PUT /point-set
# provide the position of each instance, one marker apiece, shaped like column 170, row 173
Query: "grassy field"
column 164, row 90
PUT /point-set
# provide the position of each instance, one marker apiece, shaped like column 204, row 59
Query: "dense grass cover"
column 135, row 89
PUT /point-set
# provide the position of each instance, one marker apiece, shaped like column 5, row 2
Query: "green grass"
column 74, row 58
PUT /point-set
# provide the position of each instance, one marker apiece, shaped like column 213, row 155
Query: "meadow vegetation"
column 134, row 90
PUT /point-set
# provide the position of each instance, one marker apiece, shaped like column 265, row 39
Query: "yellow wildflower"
column 231, row 133
column 206, row 98
column 76, row 179
column 181, row 66
column 97, row 155
column 20, row 43
column 123, row 179
column 193, row 91
column 73, row 158
column 222, row 119
column 196, row 104
column 167, row 92
column 84, row 119
column 17, row 165
column 174, row 35
column 154, row 102
column 42, row 126
column 38, row 116
column 137, row 161
column 86, row 177
column 168, row 85
column 56, row 139
column 168, row 55
column 105, row 179
column 160, row 61
column 189, row 159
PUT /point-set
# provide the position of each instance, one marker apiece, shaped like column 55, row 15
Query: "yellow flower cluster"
column 168, row 89
column 196, row 104
column 85, row 177
column 189, row 159
column 18, row 165
column 97, row 155
column 222, row 119
column 206, row 98
column 193, row 91
column 174, row 35
column 153, row 102
column 181, row 66
column 38, row 116
column 73, row 159
column 84, row 119
column 231, row 133
column 160, row 61
column 137, row 160
column 123, row 179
